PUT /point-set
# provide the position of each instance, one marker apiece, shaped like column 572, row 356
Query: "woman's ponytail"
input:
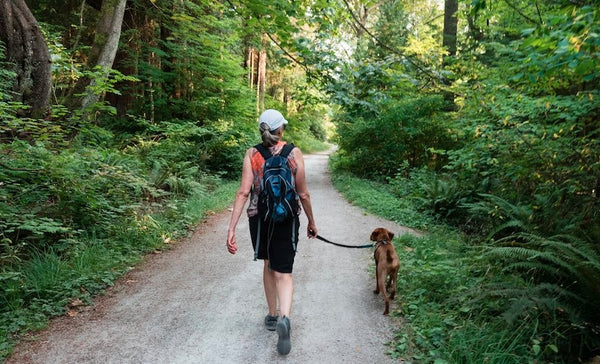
column 269, row 139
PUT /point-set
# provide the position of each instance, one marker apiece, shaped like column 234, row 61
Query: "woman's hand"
column 231, row 244
column 311, row 231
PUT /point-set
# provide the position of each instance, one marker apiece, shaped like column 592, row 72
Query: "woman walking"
column 274, row 243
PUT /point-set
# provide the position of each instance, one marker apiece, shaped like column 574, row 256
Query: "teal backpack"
column 278, row 200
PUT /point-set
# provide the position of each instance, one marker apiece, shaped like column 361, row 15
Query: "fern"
column 525, row 267
column 511, row 252
column 556, row 257
column 558, row 291
column 507, row 209
column 512, row 224
column 576, row 246
column 562, row 272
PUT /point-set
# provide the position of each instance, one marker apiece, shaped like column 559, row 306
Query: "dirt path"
column 198, row 304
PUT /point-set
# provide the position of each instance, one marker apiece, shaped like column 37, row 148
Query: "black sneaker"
column 283, row 330
column 271, row 322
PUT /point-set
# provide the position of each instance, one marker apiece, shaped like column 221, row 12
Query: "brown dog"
column 386, row 265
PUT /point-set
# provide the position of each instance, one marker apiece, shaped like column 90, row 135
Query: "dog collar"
column 382, row 242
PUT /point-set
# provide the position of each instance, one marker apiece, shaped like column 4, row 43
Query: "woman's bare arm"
column 302, row 190
column 240, row 201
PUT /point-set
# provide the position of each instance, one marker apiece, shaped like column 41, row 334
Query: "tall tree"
column 449, row 40
column 26, row 49
column 262, row 76
column 450, row 26
column 108, row 33
column 106, row 41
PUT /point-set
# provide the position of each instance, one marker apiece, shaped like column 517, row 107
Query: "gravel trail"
column 196, row 303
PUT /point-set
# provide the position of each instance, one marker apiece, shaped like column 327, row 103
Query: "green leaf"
column 527, row 32
column 584, row 67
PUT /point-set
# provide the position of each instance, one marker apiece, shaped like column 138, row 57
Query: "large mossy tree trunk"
column 27, row 51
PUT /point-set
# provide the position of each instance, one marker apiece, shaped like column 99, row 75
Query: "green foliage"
column 410, row 130
column 102, row 80
column 443, row 197
column 63, row 210
column 379, row 199
column 80, row 267
column 306, row 131
column 563, row 55
column 439, row 276
column 466, row 303
column 190, row 67
column 547, row 135
column 83, row 189
column 11, row 124
column 563, row 272
column 516, row 168
column 227, row 148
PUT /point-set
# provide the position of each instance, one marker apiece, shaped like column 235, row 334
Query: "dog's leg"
column 381, row 282
column 388, row 283
column 394, row 281
column 376, row 291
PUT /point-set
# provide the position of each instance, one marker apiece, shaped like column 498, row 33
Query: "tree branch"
column 292, row 57
column 433, row 19
column 537, row 7
column 516, row 8
column 302, row 64
column 416, row 64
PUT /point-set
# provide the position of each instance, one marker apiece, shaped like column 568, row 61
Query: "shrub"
column 408, row 130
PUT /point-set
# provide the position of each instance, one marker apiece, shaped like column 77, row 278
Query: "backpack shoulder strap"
column 266, row 154
column 264, row 151
column 287, row 149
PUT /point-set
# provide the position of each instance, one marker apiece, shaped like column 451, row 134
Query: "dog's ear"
column 374, row 235
column 391, row 235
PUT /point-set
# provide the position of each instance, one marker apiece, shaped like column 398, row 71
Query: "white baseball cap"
column 272, row 118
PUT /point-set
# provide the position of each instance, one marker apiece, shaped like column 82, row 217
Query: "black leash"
column 343, row 245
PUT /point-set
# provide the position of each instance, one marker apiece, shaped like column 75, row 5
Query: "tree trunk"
column 131, row 90
column 26, row 49
column 450, row 26
column 262, row 77
column 449, row 42
column 251, row 66
column 106, row 41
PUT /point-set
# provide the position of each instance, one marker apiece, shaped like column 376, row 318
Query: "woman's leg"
column 270, row 288
column 285, row 290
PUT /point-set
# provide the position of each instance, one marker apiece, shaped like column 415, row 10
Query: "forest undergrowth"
column 458, row 299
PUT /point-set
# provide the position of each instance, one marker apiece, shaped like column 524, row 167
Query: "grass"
column 445, row 320
column 33, row 291
column 377, row 199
